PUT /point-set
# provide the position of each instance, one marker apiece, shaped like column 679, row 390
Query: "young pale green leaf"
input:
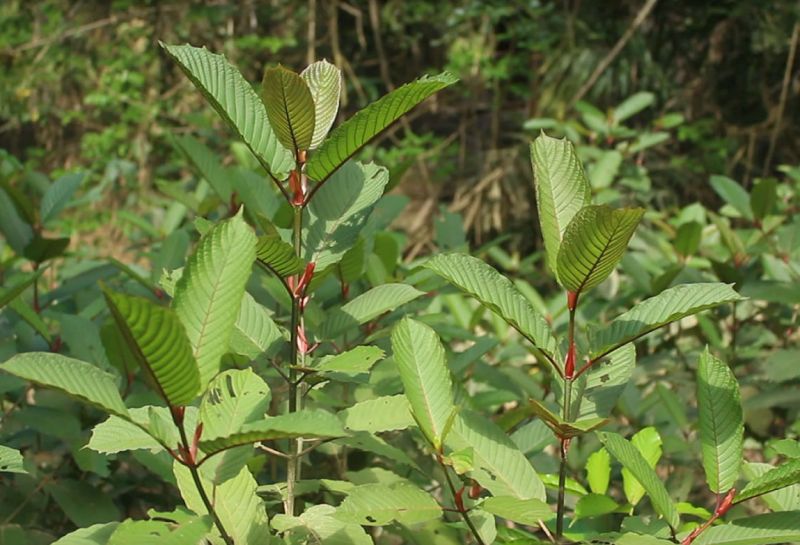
column 598, row 471
column 632, row 460
column 339, row 210
column 254, row 332
column 420, row 358
column 498, row 294
column 312, row 424
column 562, row 189
column 324, row 81
column 386, row 413
column 500, row 466
column 235, row 101
column 158, row 340
column 234, row 398
column 236, row 503
column 74, row 377
column 666, row 307
column 528, row 512
column 209, row 294
column 560, row 427
column 648, row 442
column 97, row 534
column 784, row 475
column 721, row 422
column 278, row 255
column 771, row 528
column 117, row 434
column 632, row 106
column 380, row 504
column 290, row 107
column 58, row 195
column 11, row 460
column 367, row 306
column 349, row 137
column 592, row 245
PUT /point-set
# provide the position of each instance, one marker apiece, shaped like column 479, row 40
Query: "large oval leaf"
column 209, row 293
column 235, row 101
column 290, row 107
column 561, row 190
column 158, row 340
column 356, row 132
column 593, row 244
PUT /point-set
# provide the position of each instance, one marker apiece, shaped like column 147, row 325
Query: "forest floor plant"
column 213, row 409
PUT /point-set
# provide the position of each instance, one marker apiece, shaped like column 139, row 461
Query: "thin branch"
column 787, row 78
column 609, row 58
column 460, row 509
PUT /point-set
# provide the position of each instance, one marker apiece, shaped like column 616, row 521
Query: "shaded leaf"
column 278, row 255
column 366, row 307
column 290, row 107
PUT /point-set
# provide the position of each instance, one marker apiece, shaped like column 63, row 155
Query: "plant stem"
column 459, row 506
column 294, row 449
column 199, row 485
column 569, row 377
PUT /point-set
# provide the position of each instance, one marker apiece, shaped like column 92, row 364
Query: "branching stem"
column 459, row 505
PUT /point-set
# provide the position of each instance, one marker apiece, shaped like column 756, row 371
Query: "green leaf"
column 632, row 106
column 721, row 422
column 763, row 197
column 420, row 358
column 367, row 306
column 349, row 137
column 163, row 529
column 234, row 398
column 500, row 466
column 235, row 101
column 318, row 524
column 528, row 512
column 688, row 237
column 11, row 460
column 209, row 294
column 598, row 471
column 593, row 244
column 784, row 475
column 380, row 504
column 41, row 249
column 81, row 503
column 387, row 413
column 58, row 195
column 733, row 194
column 771, row 528
column 561, row 190
column 648, row 442
column 17, row 232
column 206, row 164
column 339, row 210
column 312, row 424
column 278, row 255
column 604, row 383
column 632, row 460
column 158, row 340
column 76, row 378
column 290, row 107
column 11, row 293
column 236, row 503
column 560, row 427
column 594, row 505
column 254, row 332
column 97, row 534
column 355, row 361
column 668, row 306
column 498, row 294
column 324, row 81
column 118, row 434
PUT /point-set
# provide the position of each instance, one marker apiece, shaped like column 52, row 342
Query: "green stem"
column 459, row 506
column 199, row 485
column 569, row 377
column 292, row 467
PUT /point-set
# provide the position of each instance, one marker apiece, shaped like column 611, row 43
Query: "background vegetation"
column 688, row 109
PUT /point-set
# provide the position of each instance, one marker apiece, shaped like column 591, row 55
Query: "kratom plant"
column 180, row 348
column 245, row 398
